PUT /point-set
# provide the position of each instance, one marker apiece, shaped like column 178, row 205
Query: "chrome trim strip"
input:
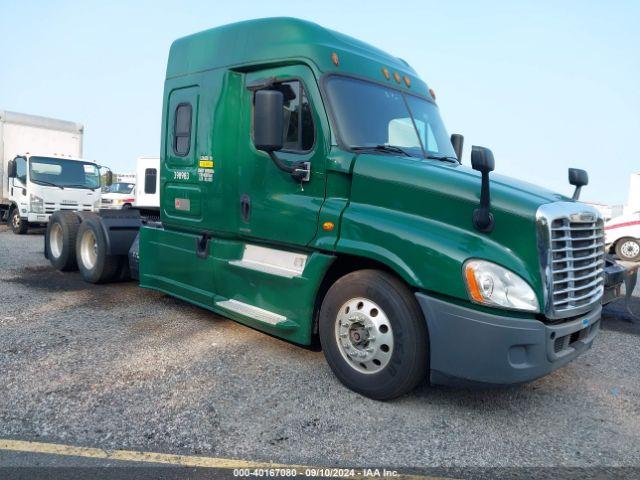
column 269, row 260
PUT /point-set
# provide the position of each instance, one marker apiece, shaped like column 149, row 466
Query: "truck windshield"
column 121, row 188
column 64, row 173
column 371, row 115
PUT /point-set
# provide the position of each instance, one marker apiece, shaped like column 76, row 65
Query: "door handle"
column 245, row 207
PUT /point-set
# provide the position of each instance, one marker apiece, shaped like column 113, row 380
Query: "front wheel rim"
column 364, row 335
column 16, row 220
column 630, row 249
column 88, row 249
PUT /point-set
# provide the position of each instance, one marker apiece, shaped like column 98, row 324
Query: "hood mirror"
column 108, row 178
column 482, row 160
column 578, row 178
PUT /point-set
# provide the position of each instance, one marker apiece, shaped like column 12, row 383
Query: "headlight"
column 492, row 285
column 37, row 204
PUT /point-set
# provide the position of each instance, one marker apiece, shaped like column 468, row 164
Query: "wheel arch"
column 12, row 206
column 341, row 266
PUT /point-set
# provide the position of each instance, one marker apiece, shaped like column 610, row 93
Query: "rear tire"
column 91, row 252
column 60, row 240
column 373, row 335
column 18, row 224
column 628, row 248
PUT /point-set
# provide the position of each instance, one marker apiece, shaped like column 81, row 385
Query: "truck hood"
column 426, row 207
column 454, row 188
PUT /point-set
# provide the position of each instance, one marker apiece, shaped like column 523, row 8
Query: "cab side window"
column 150, row 176
column 21, row 170
column 182, row 130
column 299, row 131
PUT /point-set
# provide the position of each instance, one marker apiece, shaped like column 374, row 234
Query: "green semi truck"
column 309, row 189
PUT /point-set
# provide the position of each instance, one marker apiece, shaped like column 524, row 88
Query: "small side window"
column 150, row 176
column 182, row 130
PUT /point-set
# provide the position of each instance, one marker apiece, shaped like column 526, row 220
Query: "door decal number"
column 177, row 175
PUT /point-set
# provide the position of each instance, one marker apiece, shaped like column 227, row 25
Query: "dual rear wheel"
column 72, row 244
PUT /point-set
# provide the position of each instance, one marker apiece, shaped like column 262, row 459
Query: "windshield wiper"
column 79, row 185
column 44, row 182
column 443, row 158
column 382, row 148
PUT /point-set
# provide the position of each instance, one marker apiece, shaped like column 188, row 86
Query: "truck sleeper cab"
column 309, row 189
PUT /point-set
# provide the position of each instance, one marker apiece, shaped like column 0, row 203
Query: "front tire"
column 95, row 265
column 373, row 335
column 18, row 224
column 628, row 248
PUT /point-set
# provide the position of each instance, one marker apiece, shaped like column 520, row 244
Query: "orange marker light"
column 335, row 59
column 396, row 76
column 385, row 72
column 407, row 81
column 432, row 93
column 474, row 289
column 328, row 226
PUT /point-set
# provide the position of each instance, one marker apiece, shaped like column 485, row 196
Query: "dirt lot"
column 117, row 366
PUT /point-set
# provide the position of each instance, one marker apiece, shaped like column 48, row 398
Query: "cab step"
column 256, row 313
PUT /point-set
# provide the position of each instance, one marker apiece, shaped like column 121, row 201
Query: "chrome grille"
column 571, row 244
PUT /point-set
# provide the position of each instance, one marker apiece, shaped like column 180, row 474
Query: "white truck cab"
column 51, row 176
column 39, row 184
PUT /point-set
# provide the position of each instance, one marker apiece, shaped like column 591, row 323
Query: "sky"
column 546, row 85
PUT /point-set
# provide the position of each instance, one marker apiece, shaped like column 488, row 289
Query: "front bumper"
column 468, row 346
column 38, row 217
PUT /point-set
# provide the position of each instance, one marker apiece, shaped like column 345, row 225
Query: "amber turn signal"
column 328, row 226
column 472, row 284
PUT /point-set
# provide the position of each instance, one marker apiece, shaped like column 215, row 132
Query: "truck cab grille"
column 571, row 247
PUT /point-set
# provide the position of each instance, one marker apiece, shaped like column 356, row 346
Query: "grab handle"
column 202, row 245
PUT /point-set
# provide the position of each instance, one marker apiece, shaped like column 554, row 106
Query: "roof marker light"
column 432, row 93
column 385, row 72
column 407, row 81
column 396, row 76
column 335, row 59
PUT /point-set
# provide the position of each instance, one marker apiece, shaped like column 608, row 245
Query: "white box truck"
column 141, row 192
column 41, row 170
column 148, row 184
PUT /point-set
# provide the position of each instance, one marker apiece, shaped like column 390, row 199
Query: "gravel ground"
column 116, row 366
